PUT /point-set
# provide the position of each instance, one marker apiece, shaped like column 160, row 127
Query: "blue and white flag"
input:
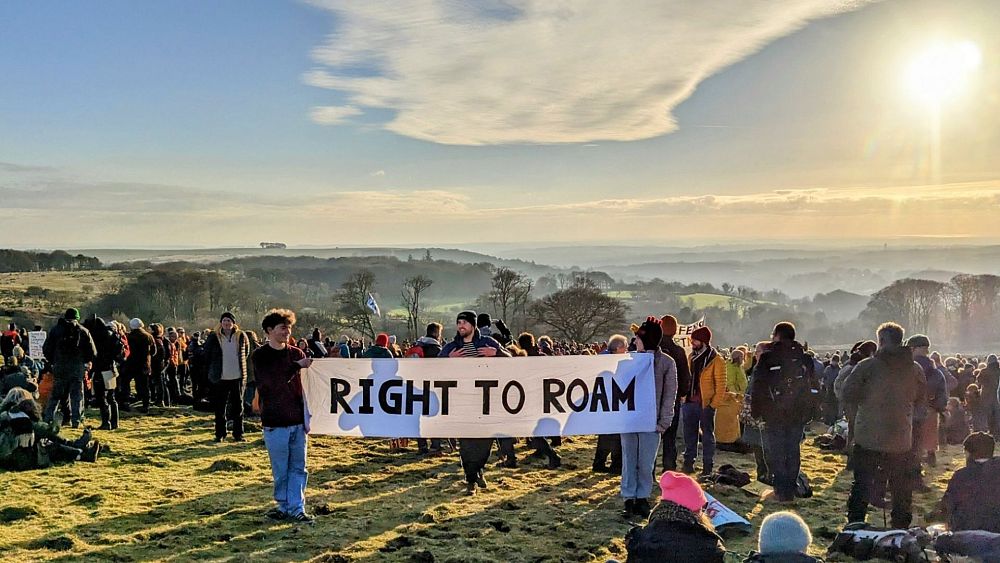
column 373, row 305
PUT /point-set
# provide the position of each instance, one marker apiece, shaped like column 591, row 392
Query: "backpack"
column 68, row 344
column 796, row 391
column 111, row 348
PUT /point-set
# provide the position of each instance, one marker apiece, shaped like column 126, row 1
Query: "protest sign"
column 683, row 336
column 36, row 339
column 481, row 397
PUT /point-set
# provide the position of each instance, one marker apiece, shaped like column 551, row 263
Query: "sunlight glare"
column 940, row 72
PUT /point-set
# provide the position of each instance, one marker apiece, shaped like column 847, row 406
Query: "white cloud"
column 378, row 174
column 333, row 115
column 542, row 71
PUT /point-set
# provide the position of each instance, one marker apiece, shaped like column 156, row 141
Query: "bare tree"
column 580, row 312
column 413, row 289
column 509, row 292
column 352, row 308
column 909, row 302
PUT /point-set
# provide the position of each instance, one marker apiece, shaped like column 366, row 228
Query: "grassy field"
column 165, row 492
column 42, row 295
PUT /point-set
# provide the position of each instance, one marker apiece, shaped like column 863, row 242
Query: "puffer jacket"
column 887, row 389
column 674, row 534
column 710, row 369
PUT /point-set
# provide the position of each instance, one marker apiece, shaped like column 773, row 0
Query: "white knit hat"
column 135, row 324
column 783, row 532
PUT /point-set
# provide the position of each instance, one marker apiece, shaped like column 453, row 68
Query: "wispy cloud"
column 333, row 115
column 538, row 71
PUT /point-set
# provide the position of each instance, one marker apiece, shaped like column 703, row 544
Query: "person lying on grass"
column 26, row 442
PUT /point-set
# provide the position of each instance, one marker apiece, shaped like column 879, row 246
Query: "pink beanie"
column 683, row 490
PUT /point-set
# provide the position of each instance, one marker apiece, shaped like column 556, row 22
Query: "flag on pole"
column 373, row 305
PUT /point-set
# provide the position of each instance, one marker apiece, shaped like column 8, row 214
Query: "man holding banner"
column 470, row 343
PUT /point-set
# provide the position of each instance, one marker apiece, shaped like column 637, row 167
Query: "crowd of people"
column 893, row 401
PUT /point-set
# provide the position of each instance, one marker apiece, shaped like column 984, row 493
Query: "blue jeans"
column 693, row 418
column 781, row 450
column 639, row 451
column 286, row 447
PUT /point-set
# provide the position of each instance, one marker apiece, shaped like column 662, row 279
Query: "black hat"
column 72, row 314
column 483, row 320
column 228, row 315
column 650, row 332
column 468, row 316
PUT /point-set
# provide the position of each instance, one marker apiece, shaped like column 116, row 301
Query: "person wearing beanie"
column 380, row 349
column 227, row 351
column 785, row 395
column 705, row 393
column 483, row 323
column 784, row 538
column 683, row 363
column 678, row 528
column 639, row 449
column 470, row 343
column 70, row 350
column 989, row 386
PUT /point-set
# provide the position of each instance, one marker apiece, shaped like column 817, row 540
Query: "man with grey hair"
column 887, row 389
column 611, row 444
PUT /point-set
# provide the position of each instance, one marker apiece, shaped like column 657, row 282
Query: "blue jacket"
column 478, row 340
column 937, row 387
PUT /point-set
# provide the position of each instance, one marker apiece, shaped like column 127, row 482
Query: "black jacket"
column 680, row 357
column 972, row 501
column 674, row 534
column 68, row 343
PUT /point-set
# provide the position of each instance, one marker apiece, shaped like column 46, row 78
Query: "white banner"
column 683, row 337
column 724, row 518
column 36, row 339
column 481, row 397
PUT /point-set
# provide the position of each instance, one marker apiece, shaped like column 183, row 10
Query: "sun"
column 941, row 71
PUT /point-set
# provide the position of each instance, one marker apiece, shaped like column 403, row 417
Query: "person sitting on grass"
column 678, row 528
column 26, row 442
column 784, row 538
column 972, row 499
column 277, row 371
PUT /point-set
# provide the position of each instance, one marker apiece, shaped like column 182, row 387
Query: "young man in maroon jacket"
column 282, row 413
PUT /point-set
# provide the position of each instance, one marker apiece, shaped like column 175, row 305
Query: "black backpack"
column 69, row 342
column 796, row 391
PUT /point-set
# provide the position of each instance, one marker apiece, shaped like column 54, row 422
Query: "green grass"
column 166, row 492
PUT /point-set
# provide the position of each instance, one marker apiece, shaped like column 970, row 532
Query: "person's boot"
column 91, row 452
column 482, row 482
column 629, row 509
column 113, row 419
column 84, row 439
column 470, row 489
column 642, row 508
column 555, row 461
column 706, row 470
column 688, row 468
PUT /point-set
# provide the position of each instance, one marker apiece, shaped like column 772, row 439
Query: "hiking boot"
column 642, row 508
column 688, row 468
column 470, row 489
column 91, row 452
column 600, row 469
column 629, row 509
column 219, row 439
column 105, row 426
column 482, row 482
column 303, row 518
column 276, row 513
column 555, row 462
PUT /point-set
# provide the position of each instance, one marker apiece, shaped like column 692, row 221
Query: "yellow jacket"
column 712, row 378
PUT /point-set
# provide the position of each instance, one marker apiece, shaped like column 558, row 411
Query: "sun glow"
column 940, row 72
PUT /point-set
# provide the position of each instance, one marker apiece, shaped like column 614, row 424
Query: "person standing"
column 727, row 417
column 70, row 350
column 8, row 340
column 277, row 371
column 227, row 350
column 683, row 363
column 989, row 387
column 785, row 395
column 639, row 449
column 428, row 346
column 886, row 389
column 470, row 343
column 708, row 384
column 610, row 444
column 925, row 424
column 137, row 366
column 110, row 353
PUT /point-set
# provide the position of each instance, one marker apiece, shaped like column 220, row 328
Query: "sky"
column 335, row 123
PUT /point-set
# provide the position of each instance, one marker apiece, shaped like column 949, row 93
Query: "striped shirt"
column 469, row 350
